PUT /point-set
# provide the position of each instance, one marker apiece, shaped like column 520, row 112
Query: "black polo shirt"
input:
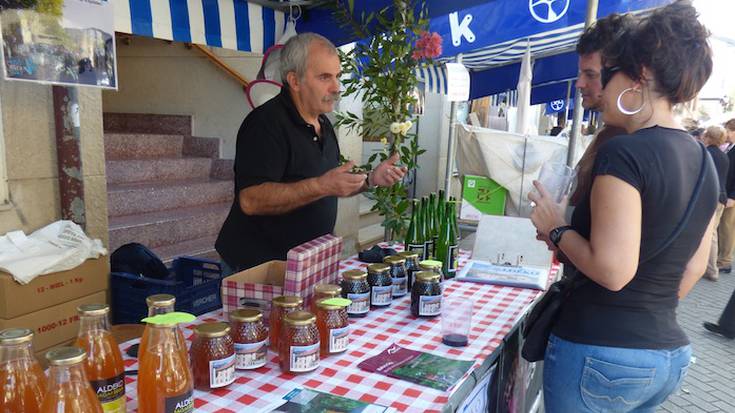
column 275, row 144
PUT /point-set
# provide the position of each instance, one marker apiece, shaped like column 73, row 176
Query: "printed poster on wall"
column 62, row 42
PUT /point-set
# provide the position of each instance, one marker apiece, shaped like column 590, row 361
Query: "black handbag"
column 540, row 321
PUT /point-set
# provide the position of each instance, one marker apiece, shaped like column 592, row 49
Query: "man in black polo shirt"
column 287, row 177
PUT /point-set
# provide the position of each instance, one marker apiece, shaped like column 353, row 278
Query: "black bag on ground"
column 137, row 259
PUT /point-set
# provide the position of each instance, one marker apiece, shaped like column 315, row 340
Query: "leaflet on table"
column 510, row 275
column 418, row 367
column 302, row 400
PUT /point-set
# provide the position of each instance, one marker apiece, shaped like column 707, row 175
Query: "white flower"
column 405, row 127
column 384, row 141
column 395, row 127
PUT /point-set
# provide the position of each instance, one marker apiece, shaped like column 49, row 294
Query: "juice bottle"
column 68, row 390
column 159, row 304
column 165, row 382
column 104, row 365
column 22, row 382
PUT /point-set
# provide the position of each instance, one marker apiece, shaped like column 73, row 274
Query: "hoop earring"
column 625, row 111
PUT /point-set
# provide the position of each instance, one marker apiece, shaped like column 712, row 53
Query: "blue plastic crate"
column 195, row 283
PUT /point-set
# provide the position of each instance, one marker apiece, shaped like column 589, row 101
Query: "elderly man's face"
column 319, row 89
column 589, row 80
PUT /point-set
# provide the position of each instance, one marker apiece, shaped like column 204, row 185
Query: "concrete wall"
column 348, row 213
column 30, row 148
column 161, row 77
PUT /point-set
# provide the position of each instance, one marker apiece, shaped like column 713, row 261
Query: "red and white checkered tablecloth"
column 496, row 310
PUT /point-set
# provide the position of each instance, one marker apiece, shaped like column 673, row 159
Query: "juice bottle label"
column 111, row 393
column 382, row 295
column 430, row 304
column 304, row 358
column 339, row 338
column 183, row 403
column 399, row 286
column 360, row 303
column 251, row 355
column 222, row 372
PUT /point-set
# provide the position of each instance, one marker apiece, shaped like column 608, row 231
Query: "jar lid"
column 333, row 303
column 246, row 314
column 377, row 268
column 299, row 318
column 431, row 264
column 354, row 275
column 409, row 254
column 93, row 309
column 212, row 330
column 394, row 259
column 11, row 336
column 328, row 289
column 426, row 276
column 288, row 301
column 160, row 300
column 66, row 356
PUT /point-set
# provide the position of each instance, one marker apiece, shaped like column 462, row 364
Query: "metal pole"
column 566, row 102
column 578, row 112
column 451, row 145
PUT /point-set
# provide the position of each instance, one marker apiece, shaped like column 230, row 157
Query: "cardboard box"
column 54, row 325
column 481, row 196
column 52, row 289
column 255, row 287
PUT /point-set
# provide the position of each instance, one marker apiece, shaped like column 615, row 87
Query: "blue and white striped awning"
column 230, row 24
column 434, row 78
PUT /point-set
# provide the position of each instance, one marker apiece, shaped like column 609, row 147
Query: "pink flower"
column 428, row 46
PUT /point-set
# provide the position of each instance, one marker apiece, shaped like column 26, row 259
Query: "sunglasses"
column 607, row 73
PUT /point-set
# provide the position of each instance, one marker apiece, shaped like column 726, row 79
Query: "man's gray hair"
column 296, row 51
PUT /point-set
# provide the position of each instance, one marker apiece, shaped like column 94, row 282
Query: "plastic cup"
column 456, row 322
column 557, row 179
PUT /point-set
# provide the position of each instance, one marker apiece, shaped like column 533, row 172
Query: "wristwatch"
column 556, row 233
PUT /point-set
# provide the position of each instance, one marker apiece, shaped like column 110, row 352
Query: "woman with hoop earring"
column 640, row 238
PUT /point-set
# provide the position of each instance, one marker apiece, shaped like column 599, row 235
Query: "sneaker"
column 726, row 270
column 715, row 328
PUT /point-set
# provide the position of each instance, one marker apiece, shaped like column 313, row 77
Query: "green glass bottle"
column 413, row 241
column 453, row 217
column 426, row 230
column 438, row 214
column 435, row 226
column 446, row 246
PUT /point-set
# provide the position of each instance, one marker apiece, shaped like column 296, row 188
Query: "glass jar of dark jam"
column 356, row 288
column 412, row 266
column 432, row 265
column 397, row 274
column 426, row 295
column 381, row 285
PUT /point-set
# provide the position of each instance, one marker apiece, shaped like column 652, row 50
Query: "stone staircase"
column 165, row 188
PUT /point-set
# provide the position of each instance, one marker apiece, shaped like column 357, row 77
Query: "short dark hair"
column 730, row 124
column 602, row 32
column 672, row 44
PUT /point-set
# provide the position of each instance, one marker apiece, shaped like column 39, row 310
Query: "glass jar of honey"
column 250, row 338
column 334, row 330
column 212, row 356
column 426, row 295
column 299, row 343
column 280, row 306
column 381, row 285
column 324, row 291
column 397, row 274
column 356, row 288
column 433, row 266
column 412, row 266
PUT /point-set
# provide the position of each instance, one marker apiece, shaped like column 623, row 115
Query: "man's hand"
column 340, row 181
column 387, row 173
column 730, row 203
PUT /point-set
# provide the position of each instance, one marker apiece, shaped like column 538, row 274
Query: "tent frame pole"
column 578, row 112
column 451, row 146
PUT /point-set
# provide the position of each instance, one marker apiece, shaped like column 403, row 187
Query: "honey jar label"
column 360, row 303
column 304, row 358
column 381, row 296
column 222, row 372
column 339, row 338
column 111, row 393
column 183, row 403
column 400, row 286
column 251, row 355
column 430, row 304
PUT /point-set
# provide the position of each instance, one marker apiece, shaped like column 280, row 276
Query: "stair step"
column 161, row 169
column 200, row 248
column 142, row 146
column 142, row 197
column 161, row 228
column 223, row 169
column 369, row 236
column 147, row 123
column 198, row 146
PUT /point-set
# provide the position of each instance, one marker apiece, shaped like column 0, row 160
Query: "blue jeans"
column 587, row 378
